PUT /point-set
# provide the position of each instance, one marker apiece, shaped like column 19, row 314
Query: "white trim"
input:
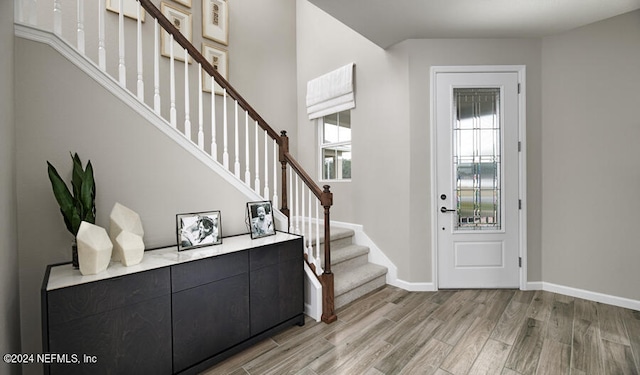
column 522, row 180
column 533, row 285
column 585, row 294
column 92, row 70
column 313, row 294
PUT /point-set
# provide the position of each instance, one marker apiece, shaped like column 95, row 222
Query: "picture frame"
column 129, row 6
column 261, row 222
column 219, row 58
column 215, row 21
column 186, row 3
column 198, row 229
column 182, row 20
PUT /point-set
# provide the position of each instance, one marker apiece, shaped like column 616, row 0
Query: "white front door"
column 477, row 176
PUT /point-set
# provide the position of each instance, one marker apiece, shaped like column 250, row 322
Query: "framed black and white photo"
column 182, row 21
column 261, row 219
column 198, row 229
column 215, row 21
column 219, row 60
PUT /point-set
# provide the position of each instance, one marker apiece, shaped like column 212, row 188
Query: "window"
column 335, row 146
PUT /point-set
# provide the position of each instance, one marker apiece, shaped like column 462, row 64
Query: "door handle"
column 444, row 210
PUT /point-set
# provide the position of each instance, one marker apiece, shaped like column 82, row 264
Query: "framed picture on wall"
column 198, row 229
column 261, row 219
column 219, row 59
column 186, row 3
column 130, row 8
column 215, row 21
column 182, row 21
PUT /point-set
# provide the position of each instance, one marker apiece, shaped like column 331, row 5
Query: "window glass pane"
column 477, row 158
column 329, row 164
column 336, row 162
column 336, row 128
column 344, row 122
column 330, row 129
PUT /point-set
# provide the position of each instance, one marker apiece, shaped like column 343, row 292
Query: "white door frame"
column 522, row 162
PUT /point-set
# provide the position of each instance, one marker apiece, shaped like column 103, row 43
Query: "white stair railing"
column 90, row 22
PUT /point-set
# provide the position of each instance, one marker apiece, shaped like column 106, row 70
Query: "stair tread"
column 342, row 254
column 346, row 281
column 336, row 234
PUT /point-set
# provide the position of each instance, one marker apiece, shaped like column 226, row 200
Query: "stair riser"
column 360, row 291
column 348, row 264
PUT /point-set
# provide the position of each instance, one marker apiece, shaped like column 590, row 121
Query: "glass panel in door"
column 477, row 158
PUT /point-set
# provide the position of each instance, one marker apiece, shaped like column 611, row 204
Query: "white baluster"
column 173, row 115
column 266, row 166
column 57, row 17
column 247, row 173
column 256, row 165
column 225, row 153
column 302, row 214
column 275, row 174
column 140, row 85
column 187, row 103
column 214, row 145
column 291, row 227
column 33, row 13
column 319, row 264
column 156, row 68
column 297, row 231
column 80, row 30
column 102, row 53
column 19, row 10
column 310, row 240
column 122, row 70
column 200, row 110
column 236, row 165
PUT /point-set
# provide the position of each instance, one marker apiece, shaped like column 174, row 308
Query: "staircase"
column 250, row 155
column 355, row 276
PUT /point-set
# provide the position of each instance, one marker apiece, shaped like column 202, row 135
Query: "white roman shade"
column 331, row 92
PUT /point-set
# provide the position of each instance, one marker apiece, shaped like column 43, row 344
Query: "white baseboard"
column 592, row 296
column 414, row 287
column 534, row 285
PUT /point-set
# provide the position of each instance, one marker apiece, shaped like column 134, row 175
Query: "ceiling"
column 387, row 22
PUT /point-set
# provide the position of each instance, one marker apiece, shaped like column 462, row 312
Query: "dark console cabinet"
column 124, row 322
column 180, row 317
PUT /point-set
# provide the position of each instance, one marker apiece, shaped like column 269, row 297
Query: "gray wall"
column 9, row 291
column 591, row 179
column 134, row 163
column 390, row 190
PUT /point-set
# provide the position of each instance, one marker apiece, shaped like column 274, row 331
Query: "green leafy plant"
column 79, row 206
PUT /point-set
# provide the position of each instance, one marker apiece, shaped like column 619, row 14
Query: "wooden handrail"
column 206, row 65
column 324, row 195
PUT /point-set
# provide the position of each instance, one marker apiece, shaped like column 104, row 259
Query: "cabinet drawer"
column 67, row 304
column 200, row 272
column 275, row 254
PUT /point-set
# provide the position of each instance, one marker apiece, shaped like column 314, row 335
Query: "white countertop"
column 64, row 275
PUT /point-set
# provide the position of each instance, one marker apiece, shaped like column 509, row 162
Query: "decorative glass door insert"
column 477, row 158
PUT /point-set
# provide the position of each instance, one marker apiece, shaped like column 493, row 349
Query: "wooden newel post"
column 284, row 149
column 328, row 305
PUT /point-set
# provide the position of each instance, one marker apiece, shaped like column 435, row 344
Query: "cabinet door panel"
column 75, row 302
column 209, row 319
column 277, row 289
column 132, row 340
column 192, row 274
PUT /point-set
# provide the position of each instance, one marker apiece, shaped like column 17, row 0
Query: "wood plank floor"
column 392, row 331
